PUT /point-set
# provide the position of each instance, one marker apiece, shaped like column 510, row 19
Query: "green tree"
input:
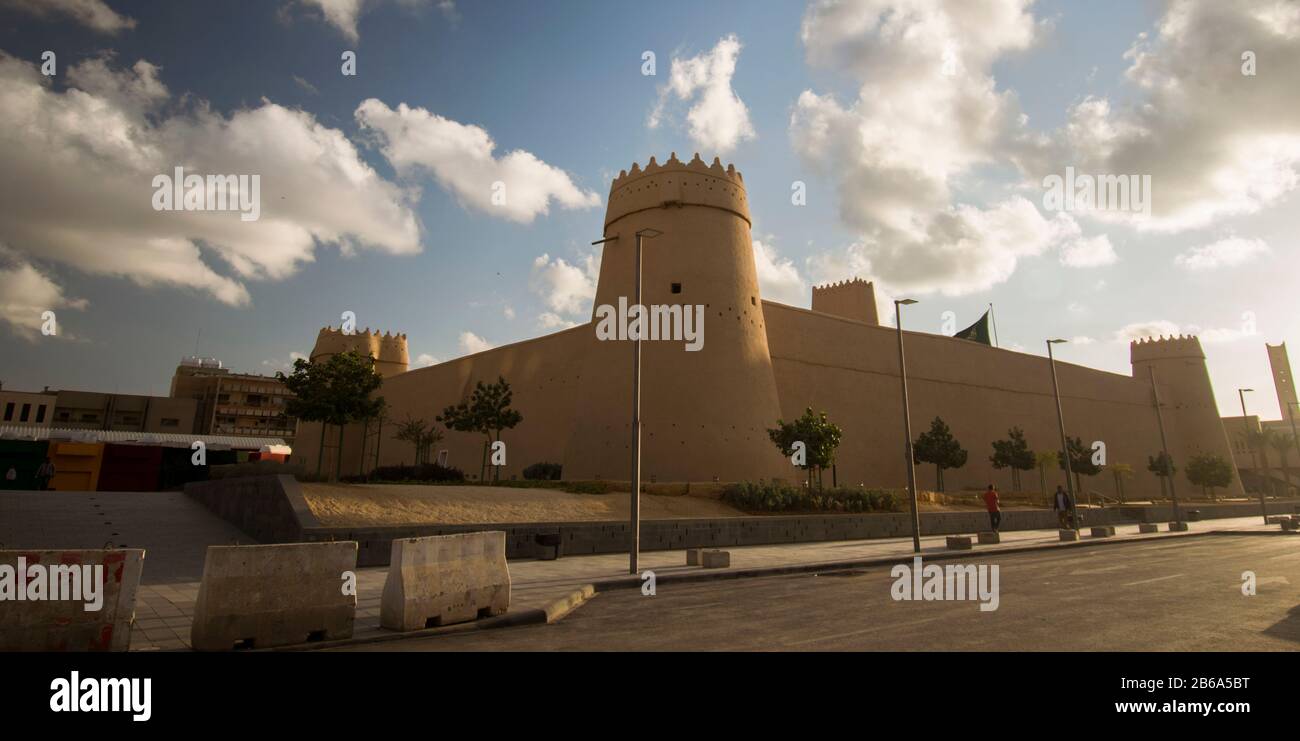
column 1209, row 471
column 420, row 434
column 1121, row 471
column 819, row 435
column 1162, row 466
column 1045, row 460
column 1013, row 453
column 1080, row 462
column 939, row 447
column 488, row 413
column 337, row 391
column 1282, row 442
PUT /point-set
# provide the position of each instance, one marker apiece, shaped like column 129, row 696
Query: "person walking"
column 991, row 502
column 1061, row 503
column 44, row 474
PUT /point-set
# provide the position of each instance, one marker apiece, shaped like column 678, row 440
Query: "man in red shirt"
column 991, row 501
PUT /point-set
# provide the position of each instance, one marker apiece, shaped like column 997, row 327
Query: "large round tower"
column 704, row 410
column 388, row 350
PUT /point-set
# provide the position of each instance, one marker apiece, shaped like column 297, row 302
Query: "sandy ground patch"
column 399, row 504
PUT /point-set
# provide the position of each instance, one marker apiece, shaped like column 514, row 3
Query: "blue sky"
column 563, row 82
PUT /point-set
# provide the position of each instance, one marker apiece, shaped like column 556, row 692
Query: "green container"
column 24, row 457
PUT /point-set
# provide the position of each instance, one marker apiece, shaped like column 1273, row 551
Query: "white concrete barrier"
column 445, row 579
column 44, row 596
column 1068, row 535
column 990, row 537
column 715, row 559
column 259, row 596
column 693, row 556
column 1178, row 527
column 959, row 542
column 1148, row 527
column 1103, row 531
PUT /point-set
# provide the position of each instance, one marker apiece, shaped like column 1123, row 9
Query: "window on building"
column 677, row 288
column 27, row 412
column 9, row 411
column 90, row 418
column 170, row 422
column 40, row 414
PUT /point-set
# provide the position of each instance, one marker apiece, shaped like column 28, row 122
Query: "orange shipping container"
column 76, row 465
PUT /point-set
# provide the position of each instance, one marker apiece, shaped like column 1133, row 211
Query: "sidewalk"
column 541, row 591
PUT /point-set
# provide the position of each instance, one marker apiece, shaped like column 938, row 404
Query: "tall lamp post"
column 907, row 425
column 1164, row 448
column 1245, row 424
column 1065, row 445
column 635, row 520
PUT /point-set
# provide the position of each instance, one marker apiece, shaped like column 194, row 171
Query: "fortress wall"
column 545, row 376
column 851, row 370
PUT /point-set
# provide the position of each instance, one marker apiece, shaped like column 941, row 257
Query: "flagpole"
column 995, row 325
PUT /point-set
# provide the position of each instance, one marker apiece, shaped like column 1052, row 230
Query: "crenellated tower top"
column 1166, row 348
column 675, row 183
column 388, row 349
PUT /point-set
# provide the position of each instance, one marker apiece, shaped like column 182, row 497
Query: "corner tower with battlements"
column 702, row 259
column 388, row 350
column 851, row 299
column 1191, row 414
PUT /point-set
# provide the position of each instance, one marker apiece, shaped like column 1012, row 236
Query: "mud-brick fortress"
column 705, row 413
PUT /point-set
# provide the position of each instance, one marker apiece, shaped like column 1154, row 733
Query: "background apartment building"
column 239, row 404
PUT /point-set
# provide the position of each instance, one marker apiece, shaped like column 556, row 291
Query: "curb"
column 550, row 612
column 556, row 609
column 628, row 582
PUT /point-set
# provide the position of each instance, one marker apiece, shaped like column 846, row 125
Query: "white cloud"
column 1082, row 340
column 345, row 14
column 77, row 169
column 963, row 250
column 1215, row 142
column 508, row 311
column 93, row 14
column 425, row 360
column 283, row 365
column 927, row 113
column 566, row 288
column 778, row 277
column 717, row 119
column 551, row 320
column 1221, row 254
column 517, row 186
column 1165, row 328
column 471, row 343
column 26, row 293
column 1088, row 252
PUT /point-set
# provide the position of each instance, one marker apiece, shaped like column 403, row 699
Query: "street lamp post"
column 907, row 425
column 1065, row 445
column 635, row 520
column 1164, row 445
column 1245, row 424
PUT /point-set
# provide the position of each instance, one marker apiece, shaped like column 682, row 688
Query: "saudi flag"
column 977, row 332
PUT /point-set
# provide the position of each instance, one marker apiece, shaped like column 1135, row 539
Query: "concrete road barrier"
column 1193, row 515
column 44, row 609
column 445, row 579
column 1291, row 525
column 1068, row 535
column 1148, row 527
column 1276, row 519
column 1103, row 531
column 693, row 556
column 989, row 537
column 258, row 596
column 715, row 559
column 959, row 542
column 1178, row 527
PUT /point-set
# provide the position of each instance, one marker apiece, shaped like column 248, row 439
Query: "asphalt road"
column 1164, row 596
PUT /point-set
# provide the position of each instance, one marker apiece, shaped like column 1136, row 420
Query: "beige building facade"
column 705, row 413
